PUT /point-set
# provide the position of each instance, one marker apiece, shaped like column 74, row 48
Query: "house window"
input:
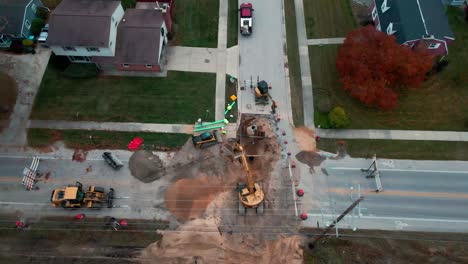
column 125, row 65
column 27, row 23
column 390, row 30
column 110, row 43
column 379, row 28
column 162, row 32
column 384, row 6
column 374, row 13
column 66, row 48
column 434, row 46
column 92, row 49
column 78, row 58
column 149, row 66
column 115, row 25
column 33, row 7
column 113, row 19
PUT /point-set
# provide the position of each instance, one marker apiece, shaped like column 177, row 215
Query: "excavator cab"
column 261, row 93
column 206, row 139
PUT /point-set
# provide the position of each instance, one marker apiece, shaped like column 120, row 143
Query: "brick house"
column 16, row 17
column 420, row 24
column 100, row 32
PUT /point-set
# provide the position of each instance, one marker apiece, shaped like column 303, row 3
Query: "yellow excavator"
column 251, row 194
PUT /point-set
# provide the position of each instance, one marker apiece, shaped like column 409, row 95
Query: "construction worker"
column 80, row 216
column 20, row 224
column 273, row 107
column 123, row 223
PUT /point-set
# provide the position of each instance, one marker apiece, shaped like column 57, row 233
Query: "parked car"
column 42, row 39
column 246, row 14
column 112, row 160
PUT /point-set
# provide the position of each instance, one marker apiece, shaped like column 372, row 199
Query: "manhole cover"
column 207, row 60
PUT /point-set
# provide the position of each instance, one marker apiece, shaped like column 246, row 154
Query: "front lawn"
column 181, row 97
column 93, row 139
column 294, row 67
column 399, row 149
column 440, row 104
column 196, row 23
column 233, row 23
column 328, row 18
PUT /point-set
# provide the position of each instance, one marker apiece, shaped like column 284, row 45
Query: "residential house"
column 81, row 29
column 167, row 4
column 98, row 31
column 455, row 2
column 141, row 40
column 16, row 18
column 163, row 7
column 420, row 24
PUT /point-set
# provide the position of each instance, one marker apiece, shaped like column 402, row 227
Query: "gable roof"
column 138, row 36
column 413, row 21
column 81, row 23
column 11, row 16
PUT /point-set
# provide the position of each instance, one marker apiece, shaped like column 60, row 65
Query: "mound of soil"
column 199, row 241
column 145, row 166
column 310, row 158
column 8, row 91
column 79, row 155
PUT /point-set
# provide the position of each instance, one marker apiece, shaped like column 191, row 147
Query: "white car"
column 42, row 39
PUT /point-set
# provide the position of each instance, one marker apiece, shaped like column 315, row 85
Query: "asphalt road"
column 139, row 200
column 262, row 55
column 417, row 195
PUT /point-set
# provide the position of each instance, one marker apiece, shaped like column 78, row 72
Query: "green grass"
column 440, row 104
column 328, row 18
column 231, row 89
column 181, row 97
column 400, row 149
column 93, row 139
column 294, row 67
column 233, row 23
column 196, row 23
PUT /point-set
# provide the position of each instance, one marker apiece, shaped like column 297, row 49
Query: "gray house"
column 16, row 17
column 454, row 2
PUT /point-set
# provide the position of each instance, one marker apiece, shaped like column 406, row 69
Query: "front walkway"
column 307, row 95
column 111, row 126
column 27, row 70
column 392, row 134
column 325, row 41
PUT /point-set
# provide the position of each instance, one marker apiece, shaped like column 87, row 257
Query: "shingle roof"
column 138, row 36
column 407, row 21
column 81, row 23
column 11, row 16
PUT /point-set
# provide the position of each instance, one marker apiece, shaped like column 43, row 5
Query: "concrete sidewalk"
column 392, row 134
column 111, row 126
column 27, row 70
column 307, row 95
column 325, row 41
column 221, row 60
column 191, row 59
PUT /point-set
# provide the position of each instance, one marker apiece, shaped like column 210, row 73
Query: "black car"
column 112, row 160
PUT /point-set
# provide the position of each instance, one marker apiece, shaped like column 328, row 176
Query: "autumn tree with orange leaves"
column 373, row 67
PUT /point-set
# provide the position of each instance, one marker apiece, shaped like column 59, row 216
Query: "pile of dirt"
column 79, row 155
column 188, row 198
column 305, row 138
column 145, row 166
column 9, row 92
column 310, row 158
column 201, row 241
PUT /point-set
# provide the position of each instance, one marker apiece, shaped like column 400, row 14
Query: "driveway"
column 27, row 70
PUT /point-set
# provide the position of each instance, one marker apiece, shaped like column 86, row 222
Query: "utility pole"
column 351, row 207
